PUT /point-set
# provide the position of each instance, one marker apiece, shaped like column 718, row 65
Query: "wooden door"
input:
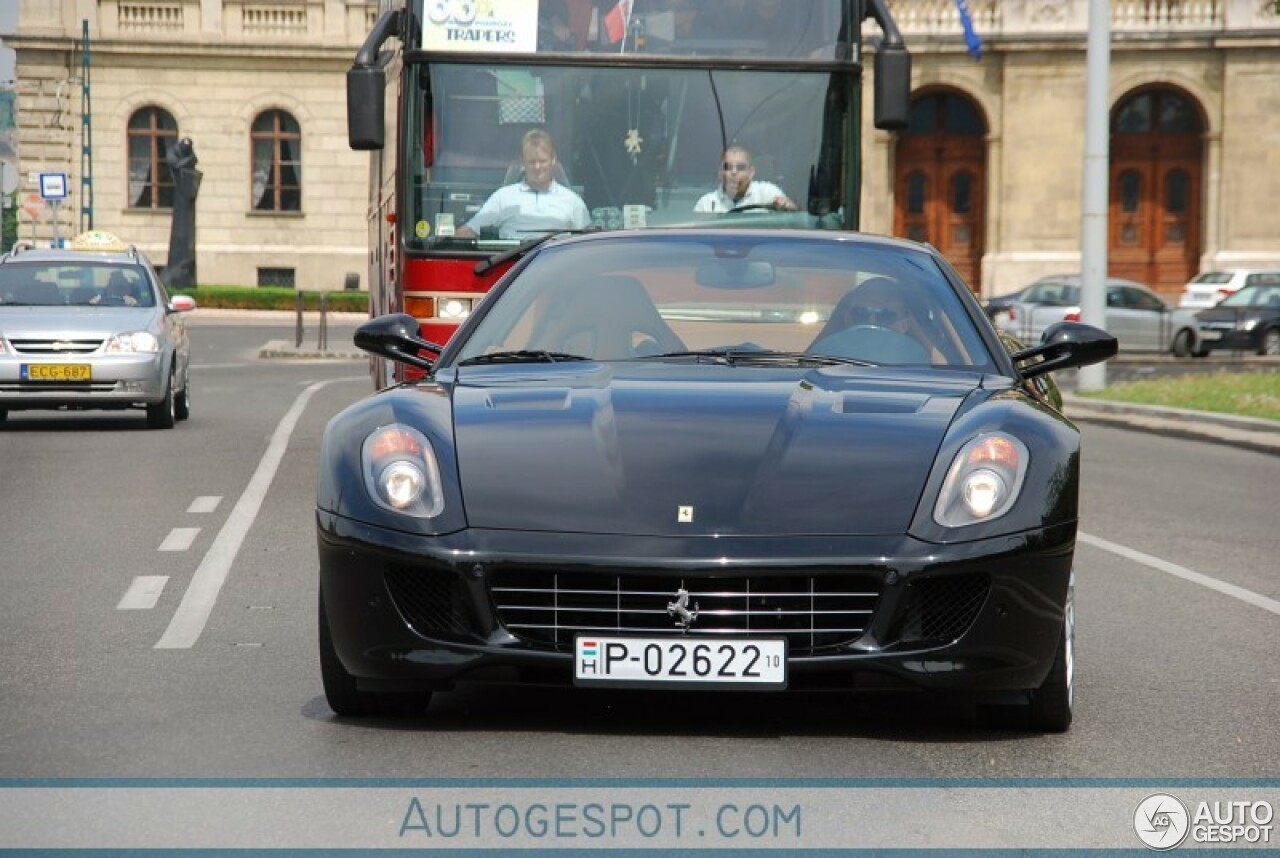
column 940, row 176
column 1156, row 182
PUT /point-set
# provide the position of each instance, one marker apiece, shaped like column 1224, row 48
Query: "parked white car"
column 1207, row 289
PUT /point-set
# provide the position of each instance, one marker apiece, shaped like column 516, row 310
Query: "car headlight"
column 1249, row 324
column 400, row 471
column 983, row 482
column 138, row 341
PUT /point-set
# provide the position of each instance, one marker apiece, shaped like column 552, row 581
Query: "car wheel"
column 1182, row 344
column 345, row 698
column 1270, row 342
column 160, row 414
column 182, row 401
column 1052, row 704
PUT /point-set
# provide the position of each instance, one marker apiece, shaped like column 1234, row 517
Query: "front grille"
column 814, row 613
column 56, row 348
column 940, row 609
column 58, row 386
column 432, row 602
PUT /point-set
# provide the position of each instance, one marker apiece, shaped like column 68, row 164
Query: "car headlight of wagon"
column 400, row 471
column 983, row 482
column 138, row 341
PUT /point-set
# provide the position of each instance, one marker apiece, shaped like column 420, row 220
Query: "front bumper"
column 412, row 612
column 116, row 381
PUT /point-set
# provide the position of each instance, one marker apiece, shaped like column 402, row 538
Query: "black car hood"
column 655, row 449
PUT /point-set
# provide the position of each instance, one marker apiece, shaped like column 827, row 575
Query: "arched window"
column 276, row 171
column 152, row 131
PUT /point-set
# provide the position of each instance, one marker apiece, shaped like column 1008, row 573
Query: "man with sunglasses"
column 739, row 189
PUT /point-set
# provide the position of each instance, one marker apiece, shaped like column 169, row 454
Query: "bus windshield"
column 640, row 149
column 675, row 113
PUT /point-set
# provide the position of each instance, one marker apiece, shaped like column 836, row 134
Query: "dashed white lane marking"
column 205, row 503
column 197, row 603
column 179, row 539
column 143, row 593
column 1255, row 599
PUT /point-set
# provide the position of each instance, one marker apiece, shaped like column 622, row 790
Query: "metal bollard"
column 297, row 338
column 323, row 342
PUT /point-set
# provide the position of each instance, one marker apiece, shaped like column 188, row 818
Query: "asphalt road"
column 114, row 665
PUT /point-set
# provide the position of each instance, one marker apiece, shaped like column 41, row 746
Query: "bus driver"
column 739, row 188
column 535, row 204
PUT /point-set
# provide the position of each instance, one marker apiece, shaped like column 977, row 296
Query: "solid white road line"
column 143, row 593
column 197, row 603
column 179, row 539
column 1203, row 580
column 205, row 503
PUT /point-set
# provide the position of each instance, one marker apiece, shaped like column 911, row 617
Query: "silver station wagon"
column 92, row 327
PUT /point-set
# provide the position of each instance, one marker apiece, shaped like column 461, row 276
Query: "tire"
column 182, row 401
column 1052, row 705
column 1270, row 343
column 346, row 699
column 160, row 415
column 1183, row 343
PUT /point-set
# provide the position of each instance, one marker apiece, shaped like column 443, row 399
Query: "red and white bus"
column 641, row 98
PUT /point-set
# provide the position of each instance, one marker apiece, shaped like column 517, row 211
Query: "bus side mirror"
column 366, row 100
column 892, row 87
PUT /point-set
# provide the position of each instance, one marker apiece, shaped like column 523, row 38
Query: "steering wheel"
column 751, row 207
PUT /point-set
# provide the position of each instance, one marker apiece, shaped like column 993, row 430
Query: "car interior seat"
column 606, row 318
column 36, row 293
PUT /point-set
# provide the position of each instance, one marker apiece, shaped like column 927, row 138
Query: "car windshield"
column 1053, row 294
column 1253, row 296
column 744, row 300
column 74, row 284
column 1213, row 277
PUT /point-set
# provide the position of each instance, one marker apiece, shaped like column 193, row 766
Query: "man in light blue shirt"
column 534, row 205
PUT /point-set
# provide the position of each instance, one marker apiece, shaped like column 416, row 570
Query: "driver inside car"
column 739, row 188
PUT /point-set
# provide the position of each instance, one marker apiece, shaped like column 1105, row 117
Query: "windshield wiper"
column 521, row 356
column 524, row 247
column 736, row 355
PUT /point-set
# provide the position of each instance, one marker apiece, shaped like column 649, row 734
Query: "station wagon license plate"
column 56, row 372
column 684, row 661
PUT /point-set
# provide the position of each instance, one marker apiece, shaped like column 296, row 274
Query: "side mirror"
column 397, row 337
column 366, row 107
column 1066, row 345
column 366, row 85
column 181, row 304
column 892, row 87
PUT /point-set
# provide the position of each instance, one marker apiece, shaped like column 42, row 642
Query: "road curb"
column 1244, row 432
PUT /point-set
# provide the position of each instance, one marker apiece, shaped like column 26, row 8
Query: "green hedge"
column 273, row 298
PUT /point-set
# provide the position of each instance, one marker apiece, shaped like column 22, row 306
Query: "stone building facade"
column 990, row 172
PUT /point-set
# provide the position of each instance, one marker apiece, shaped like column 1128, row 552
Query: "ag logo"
column 1161, row 821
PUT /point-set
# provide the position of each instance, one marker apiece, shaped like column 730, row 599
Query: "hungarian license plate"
column 683, row 661
column 56, row 372
column 1210, row 335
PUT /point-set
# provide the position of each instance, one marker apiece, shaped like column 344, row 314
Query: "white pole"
column 1097, row 167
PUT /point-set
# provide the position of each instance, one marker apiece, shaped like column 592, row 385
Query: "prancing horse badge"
column 684, row 514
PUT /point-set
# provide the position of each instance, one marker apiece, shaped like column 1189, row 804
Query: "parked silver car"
column 92, row 327
column 1136, row 316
